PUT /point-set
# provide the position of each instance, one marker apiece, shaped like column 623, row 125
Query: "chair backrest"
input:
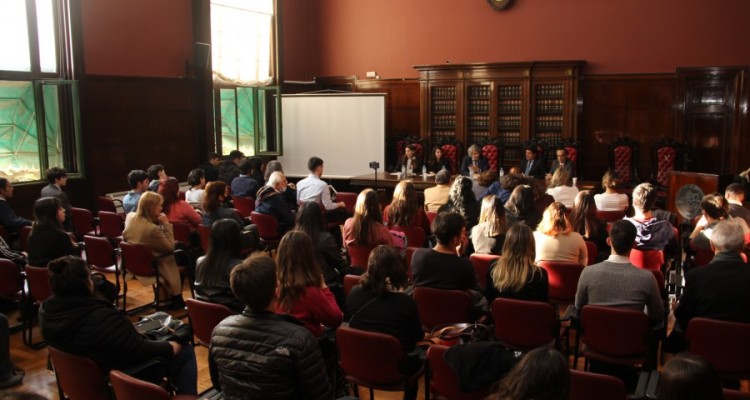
column 358, row 255
column 349, row 199
column 104, row 203
column 350, row 281
column 610, row 216
column 11, row 280
column 440, row 306
column 524, row 325
column 23, row 234
column 79, row 377
column 660, row 282
column 110, row 224
column 592, row 252
column 370, row 357
column 623, row 156
column 452, row 151
column 647, row 259
column 666, row 157
column 204, row 232
column 725, row 345
column 590, row 386
column 431, row 215
column 481, row 263
column 245, row 206
column 444, row 382
column 204, row 317
column 267, row 225
column 735, row 395
column 415, row 236
column 137, row 259
column 128, row 388
column 703, row 257
column 99, row 251
column 38, row 280
column 615, row 332
column 83, row 221
column 493, row 153
column 181, row 232
column 563, row 280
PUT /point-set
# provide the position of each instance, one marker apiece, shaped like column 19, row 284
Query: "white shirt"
column 194, row 196
column 314, row 189
column 611, row 202
column 564, row 194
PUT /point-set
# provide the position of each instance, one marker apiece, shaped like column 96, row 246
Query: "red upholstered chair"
column 37, row 280
column 614, row 335
column 127, row 387
column 481, row 263
column 444, row 383
column 525, row 325
column 267, row 229
column 590, row 386
column 84, row 223
column 623, row 159
column 12, row 287
column 102, row 256
column 111, row 225
column 181, row 232
column 350, row 281
column 493, row 152
column 349, row 199
column 204, row 317
column 610, row 216
column 592, row 252
column 106, row 203
column 453, row 150
column 244, row 205
column 666, row 156
column 78, row 378
column 440, row 306
column 394, row 148
column 431, row 215
column 563, row 280
column 204, row 232
column 374, row 360
column 703, row 257
column 647, row 259
column 725, row 345
column 23, row 234
column 138, row 260
column 415, row 236
column 358, row 255
column 735, row 395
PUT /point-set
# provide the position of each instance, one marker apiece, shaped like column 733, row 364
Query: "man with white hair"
column 474, row 162
column 269, row 200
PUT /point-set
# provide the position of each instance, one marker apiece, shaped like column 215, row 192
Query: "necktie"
column 528, row 167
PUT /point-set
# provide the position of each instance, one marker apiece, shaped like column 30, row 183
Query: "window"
column 39, row 116
column 247, row 120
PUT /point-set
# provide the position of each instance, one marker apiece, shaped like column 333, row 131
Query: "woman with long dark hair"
column 689, row 377
column 461, row 200
column 214, row 197
column 177, row 210
column 520, row 207
column 328, row 254
column 438, row 161
column 47, row 240
column 542, row 374
column 516, row 275
column 212, row 272
column 584, row 221
column 366, row 227
column 405, row 211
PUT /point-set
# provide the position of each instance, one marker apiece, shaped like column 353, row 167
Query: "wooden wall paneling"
column 401, row 102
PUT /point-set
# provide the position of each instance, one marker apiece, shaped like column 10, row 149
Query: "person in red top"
column 177, row 210
column 404, row 210
column 302, row 292
column 366, row 227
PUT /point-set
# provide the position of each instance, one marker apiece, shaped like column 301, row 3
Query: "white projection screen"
column 346, row 130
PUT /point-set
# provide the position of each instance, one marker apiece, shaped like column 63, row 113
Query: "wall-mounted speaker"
column 201, row 52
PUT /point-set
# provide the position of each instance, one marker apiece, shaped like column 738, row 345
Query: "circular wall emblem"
column 498, row 5
column 688, row 201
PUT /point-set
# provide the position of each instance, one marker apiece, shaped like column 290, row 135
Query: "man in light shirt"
column 315, row 189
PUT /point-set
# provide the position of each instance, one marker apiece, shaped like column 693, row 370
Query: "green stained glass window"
column 19, row 142
column 248, row 120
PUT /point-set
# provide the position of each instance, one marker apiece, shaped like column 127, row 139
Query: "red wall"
column 137, row 37
column 635, row 36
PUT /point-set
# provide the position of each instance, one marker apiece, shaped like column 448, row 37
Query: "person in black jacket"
column 213, row 269
column 270, row 200
column 47, row 240
column 8, row 217
column 280, row 358
column 73, row 320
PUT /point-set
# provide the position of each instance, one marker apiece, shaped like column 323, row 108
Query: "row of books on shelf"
column 479, row 91
column 509, row 92
column 479, row 106
column 479, row 121
column 447, row 121
column 552, row 91
column 549, row 122
column 444, row 106
column 444, row 92
column 548, row 105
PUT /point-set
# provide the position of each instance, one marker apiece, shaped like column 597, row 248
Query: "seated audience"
column 156, row 174
column 57, row 178
column 177, row 210
column 73, row 320
column 409, row 161
column 8, row 218
column 488, row 235
column 735, row 195
column 404, row 210
column 531, row 166
column 561, row 188
column 229, row 168
column 214, row 210
column 438, row 161
column 653, row 233
column 366, row 227
column 314, row 189
column 562, row 160
column 210, row 168
column 713, row 210
column 47, row 240
column 280, row 359
column 244, row 185
column 256, row 170
column 542, row 374
column 328, row 253
column 515, row 275
column 461, row 200
column 197, row 181
column 290, row 194
column 302, row 292
column 610, row 200
column 437, row 195
column 474, row 162
column 150, row 227
column 270, row 201
column 138, row 181
column 556, row 240
column 689, row 377
column 504, row 186
column 482, row 182
column 520, row 207
column 17, row 257
column 10, row 374
column 213, row 269
column 584, row 221
column 542, row 200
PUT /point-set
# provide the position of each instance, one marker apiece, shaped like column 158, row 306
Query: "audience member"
column 542, row 200
column 404, row 210
column 156, row 174
column 488, row 235
column 438, row 161
column 77, row 322
column 8, row 218
column 610, row 200
column 409, row 161
column 256, row 170
column 214, row 210
column 302, row 292
column 653, row 233
column 290, row 194
column 17, row 257
column 328, row 253
column 461, row 200
column 482, row 182
column 520, row 207
column 314, row 189
column 244, row 185
column 10, row 374
column 177, row 210
column 437, row 195
column 515, row 275
column 743, row 178
column 229, row 168
column 542, row 374
column 270, row 200
column 584, row 221
column 530, row 166
column 561, row 188
column 713, row 210
column 689, row 377
column 211, row 167
column 366, row 227
column 47, row 240
column 150, row 227
column 213, row 269
column 57, row 178
column 280, row 359
column 735, row 195
column 138, row 181
column 562, row 160
column 503, row 186
column 474, row 162
column 556, row 240
column 197, row 181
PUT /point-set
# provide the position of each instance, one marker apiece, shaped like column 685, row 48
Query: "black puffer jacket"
column 93, row 328
column 267, row 356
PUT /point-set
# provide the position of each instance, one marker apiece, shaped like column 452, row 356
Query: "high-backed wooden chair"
column 666, row 156
column 492, row 150
column 623, row 159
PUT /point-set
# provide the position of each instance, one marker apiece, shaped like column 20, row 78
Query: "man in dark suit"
column 211, row 167
column 57, row 178
column 531, row 166
column 474, row 162
column 8, row 217
column 561, row 159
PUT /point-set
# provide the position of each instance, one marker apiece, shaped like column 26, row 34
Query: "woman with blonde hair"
column 561, row 187
column 366, row 227
column 556, row 240
column 610, row 200
column 488, row 235
column 404, row 209
column 515, row 275
column 150, row 227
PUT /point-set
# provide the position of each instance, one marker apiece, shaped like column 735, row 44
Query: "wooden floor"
column 41, row 381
